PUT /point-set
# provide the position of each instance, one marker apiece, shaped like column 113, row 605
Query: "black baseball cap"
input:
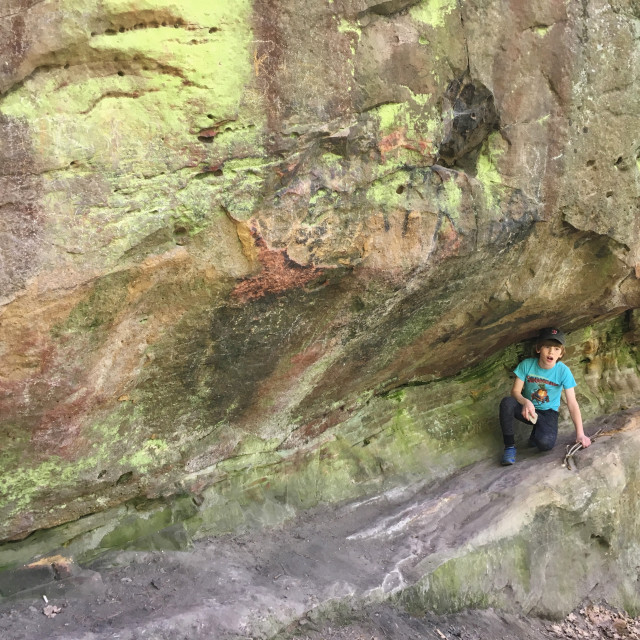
column 552, row 334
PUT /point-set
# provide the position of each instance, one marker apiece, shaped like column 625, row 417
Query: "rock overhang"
column 227, row 234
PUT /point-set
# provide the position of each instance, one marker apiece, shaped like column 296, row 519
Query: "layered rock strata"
column 279, row 253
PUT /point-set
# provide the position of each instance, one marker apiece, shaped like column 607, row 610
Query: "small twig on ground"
column 572, row 449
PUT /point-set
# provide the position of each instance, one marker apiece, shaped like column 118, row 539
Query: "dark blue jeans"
column 544, row 433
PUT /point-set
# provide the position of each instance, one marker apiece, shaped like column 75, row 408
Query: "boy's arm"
column 528, row 410
column 576, row 416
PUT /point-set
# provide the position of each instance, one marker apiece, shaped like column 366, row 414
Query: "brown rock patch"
column 279, row 273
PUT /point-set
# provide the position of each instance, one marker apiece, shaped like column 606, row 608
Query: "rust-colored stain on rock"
column 278, row 273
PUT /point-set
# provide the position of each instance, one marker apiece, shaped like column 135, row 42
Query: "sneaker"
column 509, row 456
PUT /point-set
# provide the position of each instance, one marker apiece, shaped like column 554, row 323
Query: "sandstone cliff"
column 260, row 255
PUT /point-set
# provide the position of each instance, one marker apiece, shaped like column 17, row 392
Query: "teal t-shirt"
column 544, row 386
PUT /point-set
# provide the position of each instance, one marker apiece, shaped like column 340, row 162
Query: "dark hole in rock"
column 179, row 230
column 619, row 161
column 102, row 474
column 120, row 73
column 400, row 189
column 389, row 7
column 601, row 540
column 609, row 194
column 470, row 116
column 121, row 29
column 125, row 478
column 585, row 130
column 590, row 163
column 213, row 29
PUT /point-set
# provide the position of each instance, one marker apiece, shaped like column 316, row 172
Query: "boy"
column 535, row 397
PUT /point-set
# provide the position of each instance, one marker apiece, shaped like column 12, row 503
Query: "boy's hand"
column 528, row 410
column 585, row 441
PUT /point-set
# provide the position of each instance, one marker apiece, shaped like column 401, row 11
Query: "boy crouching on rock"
column 535, row 397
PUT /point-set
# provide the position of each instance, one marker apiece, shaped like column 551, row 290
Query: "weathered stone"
column 235, row 266
column 533, row 539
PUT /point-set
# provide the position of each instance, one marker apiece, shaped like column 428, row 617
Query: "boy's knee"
column 545, row 444
column 508, row 401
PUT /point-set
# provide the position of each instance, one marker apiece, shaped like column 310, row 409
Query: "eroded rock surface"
column 531, row 540
column 257, row 256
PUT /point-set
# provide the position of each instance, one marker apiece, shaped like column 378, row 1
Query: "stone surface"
column 257, row 256
column 531, row 540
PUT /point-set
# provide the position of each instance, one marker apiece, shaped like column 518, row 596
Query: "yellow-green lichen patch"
column 414, row 116
column 152, row 453
column 119, row 137
column 408, row 131
column 433, row 12
column 388, row 115
column 386, row 193
column 26, row 483
column 487, row 171
column 353, row 30
column 18, row 486
column 451, row 199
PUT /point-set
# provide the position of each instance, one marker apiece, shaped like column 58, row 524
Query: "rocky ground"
column 590, row 621
column 336, row 573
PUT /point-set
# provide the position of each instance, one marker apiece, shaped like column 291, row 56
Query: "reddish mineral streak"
column 279, row 273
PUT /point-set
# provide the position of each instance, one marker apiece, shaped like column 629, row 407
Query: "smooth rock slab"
column 532, row 539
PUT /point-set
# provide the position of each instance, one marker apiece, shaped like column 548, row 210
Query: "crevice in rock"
column 586, row 235
column 121, row 22
column 80, row 51
column 116, row 94
column 552, row 86
column 584, row 37
column 377, row 105
column 464, row 39
column 389, row 7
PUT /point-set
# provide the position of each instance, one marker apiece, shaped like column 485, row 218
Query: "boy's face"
column 549, row 353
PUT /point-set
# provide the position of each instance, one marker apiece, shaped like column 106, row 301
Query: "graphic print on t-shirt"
column 540, row 394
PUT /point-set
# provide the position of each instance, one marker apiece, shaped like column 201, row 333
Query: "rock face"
column 259, row 255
